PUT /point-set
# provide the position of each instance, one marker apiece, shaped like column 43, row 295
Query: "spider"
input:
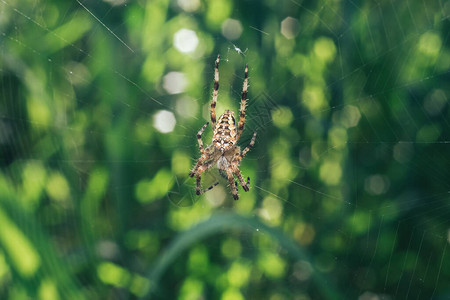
column 224, row 151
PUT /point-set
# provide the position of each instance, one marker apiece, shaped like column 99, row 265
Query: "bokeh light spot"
column 331, row 172
column 289, row 27
column 113, row 274
column 377, row 184
column 348, row 117
column 231, row 29
column 403, row 152
column 302, row 270
column 38, row 112
column 148, row 190
column 435, row 102
column 191, row 289
column 272, row 210
column 218, row 11
column 337, row 136
column 48, row 290
column 428, row 134
column 359, row 222
column 325, row 49
column 238, row 274
column 142, row 239
column 57, row 187
column 189, row 5
column 180, row 162
column 186, row 107
column 304, row 233
column 174, row 82
column 216, row 197
column 232, row 294
column 272, row 264
column 107, row 249
column 282, row 117
column 198, row 261
column 164, row 121
column 313, row 97
column 185, row 40
column 430, row 44
column 231, row 248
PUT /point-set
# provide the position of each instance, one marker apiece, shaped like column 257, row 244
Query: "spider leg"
column 233, row 184
column 200, row 147
column 199, row 190
column 200, row 166
column 243, row 104
column 194, row 170
column 199, row 137
column 215, row 92
column 245, row 185
column 252, row 142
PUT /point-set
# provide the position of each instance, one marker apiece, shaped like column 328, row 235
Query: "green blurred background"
column 100, row 103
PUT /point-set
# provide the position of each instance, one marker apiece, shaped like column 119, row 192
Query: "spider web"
column 350, row 159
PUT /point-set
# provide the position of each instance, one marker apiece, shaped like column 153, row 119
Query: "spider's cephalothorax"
column 224, row 151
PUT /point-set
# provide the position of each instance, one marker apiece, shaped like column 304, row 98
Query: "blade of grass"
column 226, row 221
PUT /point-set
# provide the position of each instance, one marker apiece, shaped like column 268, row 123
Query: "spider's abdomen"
column 224, row 134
